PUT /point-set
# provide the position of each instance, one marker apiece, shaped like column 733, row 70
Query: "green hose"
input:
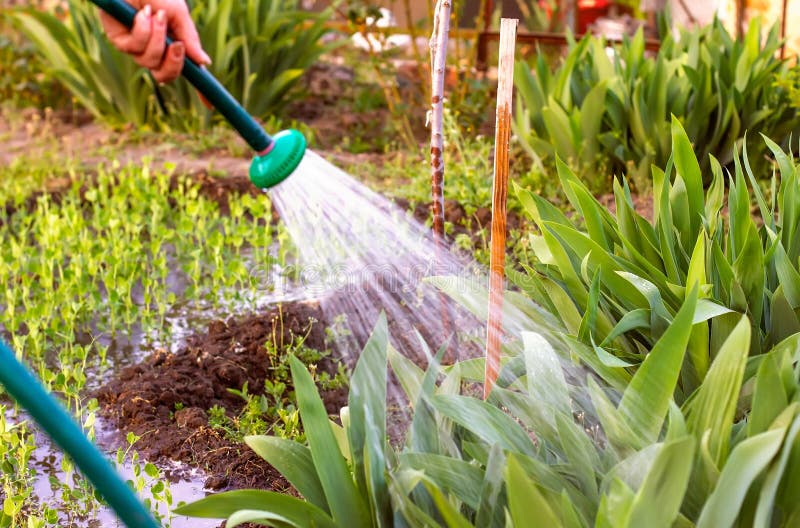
column 59, row 425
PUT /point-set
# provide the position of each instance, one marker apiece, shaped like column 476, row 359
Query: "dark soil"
column 143, row 398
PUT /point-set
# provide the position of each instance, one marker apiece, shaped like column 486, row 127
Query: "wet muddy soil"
column 165, row 398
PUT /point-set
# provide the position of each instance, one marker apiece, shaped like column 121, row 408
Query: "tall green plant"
column 104, row 81
column 468, row 462
column 617, row 281
column 259, row 49
column 610, row 112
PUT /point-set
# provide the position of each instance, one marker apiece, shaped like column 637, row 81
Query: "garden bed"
column 165, row 399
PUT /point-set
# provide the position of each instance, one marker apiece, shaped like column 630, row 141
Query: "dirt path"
column 33, row 135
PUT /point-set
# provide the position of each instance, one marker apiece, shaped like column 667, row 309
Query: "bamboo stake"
column 505, row 88
column 438, row 44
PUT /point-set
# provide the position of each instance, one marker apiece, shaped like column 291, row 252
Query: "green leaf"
column 715, row 196
column 749, row 271
column 490, row 512
column 545, row 376
column 662, row 215
column 294, row 462
column 526, row 504
column 409, row 374
column 615, row 505
column 347, row 506
column 689, row 169
column 487, row 422
column 608, row 359
column 452, row 517
column 259, row 517
column 788, row 277
column 645, row 402
column 699, row 338
column 747, row 461
column 784, row 321
column 558, row 128
column 707, row 310
column 713, row 406
column 367, row 430
column 525, row 408
column 401, row 488
column 592, row 111
column 659, row 499
column 580, row 453
column 769, row 396
column 223, row 505
column 590, row 211
column 620, row 434
column 777, row 475
column 461, row 478
column 633, row 320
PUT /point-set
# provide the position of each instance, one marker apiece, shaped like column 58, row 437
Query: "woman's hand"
column 146, row 40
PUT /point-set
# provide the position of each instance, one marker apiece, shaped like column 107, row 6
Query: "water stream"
column 360, row 254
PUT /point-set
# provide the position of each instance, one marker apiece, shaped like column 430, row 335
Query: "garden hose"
column 57, row 423
column 276, row 157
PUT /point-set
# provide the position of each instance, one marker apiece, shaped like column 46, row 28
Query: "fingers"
column 145, row 41
column 183, row 28
column 135, row 40
column 172, row 65
column 152, row 55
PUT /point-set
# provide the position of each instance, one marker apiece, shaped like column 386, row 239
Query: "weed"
column 274, row 411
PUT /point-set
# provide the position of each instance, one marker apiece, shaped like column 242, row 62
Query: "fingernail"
column 177, row 50
column 161, row 16
column 147, row 11
column 206, row 59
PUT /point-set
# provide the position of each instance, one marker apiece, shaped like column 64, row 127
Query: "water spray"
column 276, row 156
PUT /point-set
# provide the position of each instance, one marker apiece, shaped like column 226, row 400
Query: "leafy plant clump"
column 275, row 410
column 617, row 285
column 537, row 441
column 607, row 115
column 23, row 78
column 259, row 49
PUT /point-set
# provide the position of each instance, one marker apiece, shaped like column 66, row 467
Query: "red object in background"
column 589, row 11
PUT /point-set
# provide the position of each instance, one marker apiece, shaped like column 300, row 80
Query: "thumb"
column 184, row 30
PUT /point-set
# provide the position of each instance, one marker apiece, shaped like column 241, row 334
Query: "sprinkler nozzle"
column 277, row 163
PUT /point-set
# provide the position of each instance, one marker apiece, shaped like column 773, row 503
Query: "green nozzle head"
column 269, row 169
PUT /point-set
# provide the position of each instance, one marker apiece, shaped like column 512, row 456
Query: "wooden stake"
column 505, row 87
column 438, row 45
column 441, row 28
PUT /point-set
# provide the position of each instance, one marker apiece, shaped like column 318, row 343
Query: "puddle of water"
column 185, row 483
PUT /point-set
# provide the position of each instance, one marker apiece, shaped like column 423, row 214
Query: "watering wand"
column 276, row 156
column 56, row 422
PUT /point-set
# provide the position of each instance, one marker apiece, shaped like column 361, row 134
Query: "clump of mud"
column 165, row 398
